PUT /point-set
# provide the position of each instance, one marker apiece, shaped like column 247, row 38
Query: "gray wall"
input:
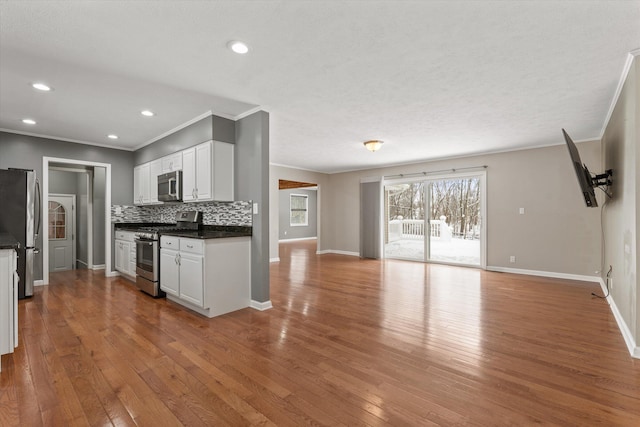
column 557, row 233
column 620, row 144
column 99, row 178
column 298, row 232
column 252, row 183
column 277, row 173
column 22, row 151
column 212, row 127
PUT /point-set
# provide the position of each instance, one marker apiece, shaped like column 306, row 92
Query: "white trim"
column 82, row 262
column 97, row 267
column 38, row 283
column 111, row 273
column 57, row 138
column 107, row 208
column 298, row 238
column 280, row 165
column 371, row 179
column 335, row 251
column 541, row 273
column 246, row 113
column 633, row 348
column 175, row 129
column 274, row 259
column 623, row 77
column 262, row 306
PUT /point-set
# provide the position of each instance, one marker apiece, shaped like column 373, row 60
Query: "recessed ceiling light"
column 147, row 113
column 238, row 47
column 29, row 121
column 41, row 86
column 112, row 136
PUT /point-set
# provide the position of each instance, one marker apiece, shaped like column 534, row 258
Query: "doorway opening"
column 93, row 196
column 298, row 211
column 436, row 219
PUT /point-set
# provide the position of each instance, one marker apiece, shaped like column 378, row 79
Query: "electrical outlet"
column 512, row 258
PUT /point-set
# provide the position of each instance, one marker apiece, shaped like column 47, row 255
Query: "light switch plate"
column 255, row 209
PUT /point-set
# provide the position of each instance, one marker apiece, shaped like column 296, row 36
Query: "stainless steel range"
column 148, row 250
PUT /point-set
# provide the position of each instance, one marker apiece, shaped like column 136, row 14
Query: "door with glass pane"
column 438, row 219
column 405, row 220
column 61, row 225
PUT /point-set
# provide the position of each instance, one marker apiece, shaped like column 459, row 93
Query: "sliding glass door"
column 437, row 219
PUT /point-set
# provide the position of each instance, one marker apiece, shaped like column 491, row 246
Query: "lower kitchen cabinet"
column 8, row 302
column 211, row 277
column 125, row 253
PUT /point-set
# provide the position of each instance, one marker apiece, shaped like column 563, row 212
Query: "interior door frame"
column 482, row 174
column 107, row 211
column 74, row 233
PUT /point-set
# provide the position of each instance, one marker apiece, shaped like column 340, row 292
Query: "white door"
column 169, row 272
column 61, row 229
column 192, row 279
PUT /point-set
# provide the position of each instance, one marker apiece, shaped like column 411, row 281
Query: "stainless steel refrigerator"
column 21, row 217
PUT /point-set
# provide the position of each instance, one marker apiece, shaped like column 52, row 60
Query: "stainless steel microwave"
column 170, row 187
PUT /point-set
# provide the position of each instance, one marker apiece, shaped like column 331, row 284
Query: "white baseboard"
column 633, row 348
column 112, row 274
column 541, row 273
column 262, row 306
column 98, row 267
column 274, row 259
column 297, row 239
column 38, row 283
column 333, row 251
column 86, row 264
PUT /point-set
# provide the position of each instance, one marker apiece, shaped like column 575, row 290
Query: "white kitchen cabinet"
column 145, row 182
column 125, row 253
column 172, row 162
column 8, row 302
column 192, row 278
column 169, row 267
column 155, row 169
column 211, row 277
column 207, row 172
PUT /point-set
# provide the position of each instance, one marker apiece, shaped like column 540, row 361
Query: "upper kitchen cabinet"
column 145, row 182
column 172, row 162
column 207, row 172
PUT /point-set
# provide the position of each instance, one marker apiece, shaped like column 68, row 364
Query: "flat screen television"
column 582, row 173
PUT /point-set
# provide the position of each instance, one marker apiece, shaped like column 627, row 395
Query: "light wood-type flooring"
column 349, row 342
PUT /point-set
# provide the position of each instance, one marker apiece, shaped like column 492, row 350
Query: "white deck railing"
column 413, row 229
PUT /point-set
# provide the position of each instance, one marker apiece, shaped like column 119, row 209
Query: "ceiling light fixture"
column 147, row 113
column 41, row 86
column 112, row 136
column 29, row 121
column 373, row 145
column 238, row 47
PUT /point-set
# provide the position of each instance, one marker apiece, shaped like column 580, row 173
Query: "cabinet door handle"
column 190, row 246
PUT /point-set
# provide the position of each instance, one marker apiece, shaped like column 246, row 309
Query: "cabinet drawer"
column 129, row 236
column 194, row 246
column 170, row 242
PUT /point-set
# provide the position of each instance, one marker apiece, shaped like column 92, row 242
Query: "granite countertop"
column 211, row 232
column 7, row 241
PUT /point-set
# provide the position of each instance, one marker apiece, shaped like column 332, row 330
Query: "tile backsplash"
column 214, row 213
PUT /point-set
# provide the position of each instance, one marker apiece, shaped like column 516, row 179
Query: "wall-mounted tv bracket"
column 603, row 180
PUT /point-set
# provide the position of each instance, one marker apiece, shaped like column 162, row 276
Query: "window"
column 57, row 221
column 298, row 204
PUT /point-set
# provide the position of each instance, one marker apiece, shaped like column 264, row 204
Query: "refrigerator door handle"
column 38, row 210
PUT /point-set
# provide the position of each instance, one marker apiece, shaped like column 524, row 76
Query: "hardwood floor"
column 348, row 342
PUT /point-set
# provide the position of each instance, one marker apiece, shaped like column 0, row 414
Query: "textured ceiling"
column 431, row 79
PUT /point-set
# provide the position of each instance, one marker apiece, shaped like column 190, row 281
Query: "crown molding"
column 625, row 72
column 75, row 141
